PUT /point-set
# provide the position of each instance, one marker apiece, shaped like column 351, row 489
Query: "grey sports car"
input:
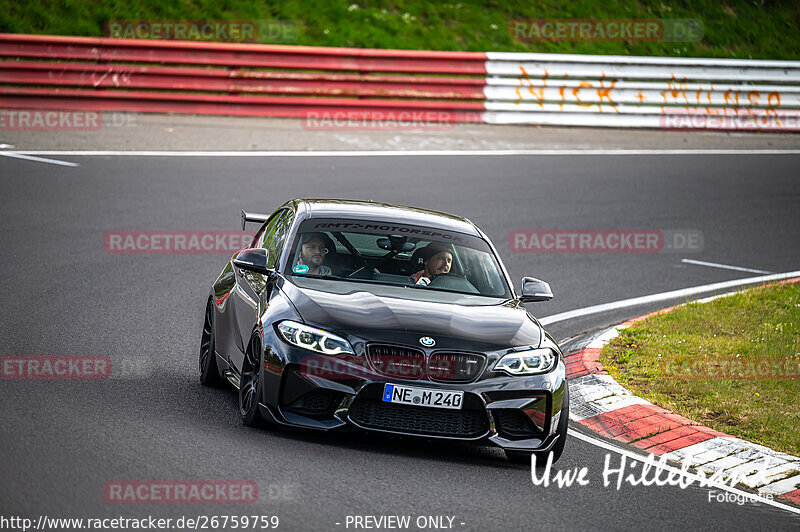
column 369, row 316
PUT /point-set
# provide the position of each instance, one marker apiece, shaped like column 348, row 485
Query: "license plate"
column 408, row 395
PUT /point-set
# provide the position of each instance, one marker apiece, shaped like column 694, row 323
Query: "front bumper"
column 515, row 413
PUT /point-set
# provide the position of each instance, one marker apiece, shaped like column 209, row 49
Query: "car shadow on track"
column 218, row 407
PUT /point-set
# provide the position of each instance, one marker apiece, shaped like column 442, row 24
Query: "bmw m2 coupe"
column 376, row 317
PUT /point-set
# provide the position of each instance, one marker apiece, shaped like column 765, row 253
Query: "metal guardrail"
column 52, row 72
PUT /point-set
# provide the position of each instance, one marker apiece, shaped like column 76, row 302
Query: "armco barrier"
column 51, row 72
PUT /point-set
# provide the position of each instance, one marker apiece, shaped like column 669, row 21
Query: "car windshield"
column 396, row 254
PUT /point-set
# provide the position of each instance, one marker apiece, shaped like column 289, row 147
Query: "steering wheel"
column 453, row 281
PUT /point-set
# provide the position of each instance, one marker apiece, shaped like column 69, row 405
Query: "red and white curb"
column 600, row 403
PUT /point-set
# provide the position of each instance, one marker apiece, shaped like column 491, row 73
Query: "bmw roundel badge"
column 427, row 341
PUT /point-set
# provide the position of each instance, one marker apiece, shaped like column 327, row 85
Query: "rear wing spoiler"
column 253, row 217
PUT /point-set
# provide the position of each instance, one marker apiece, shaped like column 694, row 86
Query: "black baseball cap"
column 433, row 248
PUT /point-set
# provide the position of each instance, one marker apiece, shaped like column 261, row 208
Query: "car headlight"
column 529, row 362
column 313, row 339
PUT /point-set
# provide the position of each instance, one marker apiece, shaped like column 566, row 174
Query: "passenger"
column 436, row 259
column 312, row 254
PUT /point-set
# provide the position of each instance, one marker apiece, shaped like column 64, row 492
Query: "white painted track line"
column 723, row 266
column 401, row 153
column 15, row 155
column 665, row 296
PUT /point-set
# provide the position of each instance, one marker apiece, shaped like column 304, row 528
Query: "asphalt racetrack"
column 64, row 294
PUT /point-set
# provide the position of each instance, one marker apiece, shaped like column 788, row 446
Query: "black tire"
column 250, row 385
column 523, row 457
column 209, row 373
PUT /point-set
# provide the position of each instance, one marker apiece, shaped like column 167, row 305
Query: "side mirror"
column 535, row 290
column 254, row 260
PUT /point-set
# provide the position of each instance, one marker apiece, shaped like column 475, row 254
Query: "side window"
column 274, row 236
column 256, row 242
column 265, row 233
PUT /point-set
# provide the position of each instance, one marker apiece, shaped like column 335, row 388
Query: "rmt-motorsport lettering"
column 390, row 228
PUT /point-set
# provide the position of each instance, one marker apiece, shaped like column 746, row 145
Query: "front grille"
column 454, row 367
column 515, row 423
column 409, row 363
column 319, row 401
column 395, row 361
column 375, row 414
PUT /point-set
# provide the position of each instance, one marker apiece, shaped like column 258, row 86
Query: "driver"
column 312, row 254
column 436, row 259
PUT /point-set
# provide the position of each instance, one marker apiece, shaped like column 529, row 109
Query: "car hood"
column 377, row 313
